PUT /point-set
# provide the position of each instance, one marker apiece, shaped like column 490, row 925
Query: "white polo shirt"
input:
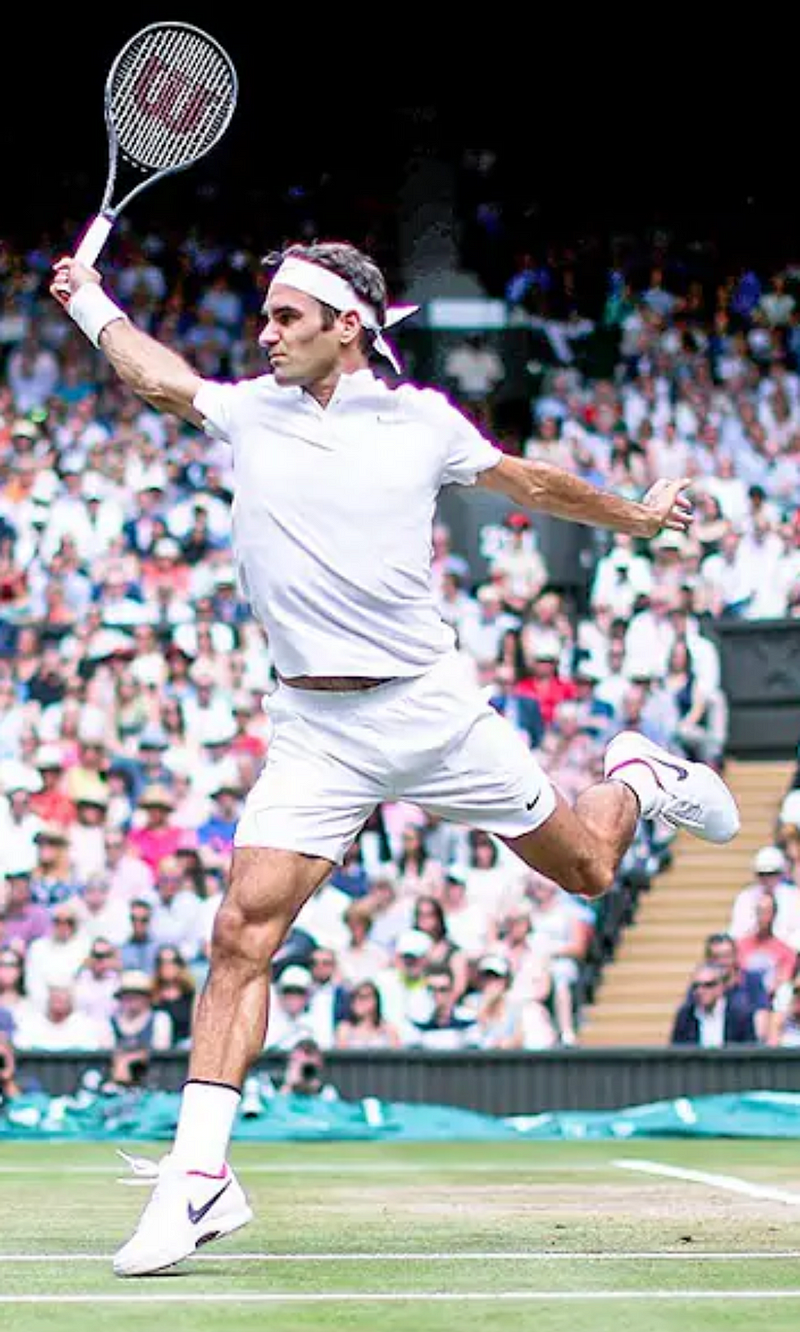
column 333, row 512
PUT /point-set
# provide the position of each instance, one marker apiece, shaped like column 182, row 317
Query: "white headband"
column 336, row 291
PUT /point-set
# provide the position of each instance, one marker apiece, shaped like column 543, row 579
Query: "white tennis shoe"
column 688, row 795
column 187, row 1209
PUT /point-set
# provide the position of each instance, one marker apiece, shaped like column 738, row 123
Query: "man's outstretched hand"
column 670, row 506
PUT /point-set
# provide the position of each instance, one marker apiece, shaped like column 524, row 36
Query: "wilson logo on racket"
column 165, row 94
column 169, row 98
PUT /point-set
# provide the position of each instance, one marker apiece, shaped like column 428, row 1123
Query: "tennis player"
column 336, row 480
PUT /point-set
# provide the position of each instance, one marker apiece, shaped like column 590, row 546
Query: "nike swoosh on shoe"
column 196, row 1214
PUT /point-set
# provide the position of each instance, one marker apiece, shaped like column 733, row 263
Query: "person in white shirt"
column 62, row 1027
column 337, row 476
column 55, row 960
column 771, row 876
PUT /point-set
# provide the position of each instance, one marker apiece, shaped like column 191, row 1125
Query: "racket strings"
column 171, row 98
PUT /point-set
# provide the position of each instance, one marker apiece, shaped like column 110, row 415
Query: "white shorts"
column 432, row 740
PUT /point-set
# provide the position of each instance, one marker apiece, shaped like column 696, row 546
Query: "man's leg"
column 581, row 847
column 267, row 889
column 197, row 1197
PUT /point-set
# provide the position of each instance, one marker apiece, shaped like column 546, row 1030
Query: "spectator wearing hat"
column 157, row 837
column 20, row 824
column 56, row 959
column 218, row 830
column 519, row 563
column 137, row 1028
column 59, row 1025
column 88, row 832
column 53, row 879
column 402, row 984
column 21, row 919
column 149, row 762
column 290, row 1016
column 52, row 803
column 771, row 876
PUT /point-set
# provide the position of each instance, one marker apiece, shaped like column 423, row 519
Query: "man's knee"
column 595, row 877
column 245, row 937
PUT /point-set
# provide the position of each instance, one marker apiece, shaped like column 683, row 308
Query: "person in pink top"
column 763, row 952
column 158, row 837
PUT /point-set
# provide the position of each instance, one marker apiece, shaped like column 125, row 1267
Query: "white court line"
column 730, row 1183
column 342, row 1168
column 503, row 1256
column 406, row 1297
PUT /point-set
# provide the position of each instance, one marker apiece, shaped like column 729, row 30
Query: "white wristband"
column 92, row 310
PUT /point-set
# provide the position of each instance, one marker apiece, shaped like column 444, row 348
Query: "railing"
column 498, row 1082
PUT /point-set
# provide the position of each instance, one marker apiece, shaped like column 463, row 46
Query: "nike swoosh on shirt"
column 196, row 1214
column 532, row 803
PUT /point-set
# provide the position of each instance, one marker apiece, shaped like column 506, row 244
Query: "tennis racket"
column 169, row 98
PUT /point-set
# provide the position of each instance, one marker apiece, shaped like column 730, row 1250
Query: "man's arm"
column 539, row 485
column 151, row 370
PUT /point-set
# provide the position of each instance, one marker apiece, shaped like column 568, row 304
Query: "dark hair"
column 376, row 998
column 349, row 263
column 441, row 923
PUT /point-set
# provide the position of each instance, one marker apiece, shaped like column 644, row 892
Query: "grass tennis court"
column 423, row 1237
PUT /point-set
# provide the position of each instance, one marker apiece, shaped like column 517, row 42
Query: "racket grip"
column 93, row 239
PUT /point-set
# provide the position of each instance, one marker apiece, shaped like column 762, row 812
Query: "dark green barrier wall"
column 505, row 1083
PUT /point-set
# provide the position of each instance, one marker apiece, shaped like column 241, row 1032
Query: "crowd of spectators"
column 133, row 676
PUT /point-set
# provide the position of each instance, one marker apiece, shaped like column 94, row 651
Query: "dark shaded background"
column 599, row 135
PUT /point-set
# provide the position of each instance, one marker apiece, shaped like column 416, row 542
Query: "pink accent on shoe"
column 626, row 763
column 208, row 1174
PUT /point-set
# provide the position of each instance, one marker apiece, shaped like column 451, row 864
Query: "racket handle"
column 93, row 239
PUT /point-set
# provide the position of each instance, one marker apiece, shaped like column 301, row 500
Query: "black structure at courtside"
column 501, row 1082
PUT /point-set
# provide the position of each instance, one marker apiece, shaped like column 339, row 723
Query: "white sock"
column 205, row 1125
column 638, row 777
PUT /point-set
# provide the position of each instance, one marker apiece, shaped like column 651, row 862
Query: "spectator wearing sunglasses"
column 710, row 1018
column 97, row 982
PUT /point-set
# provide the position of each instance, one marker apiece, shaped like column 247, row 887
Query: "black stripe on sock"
column 209, row 1082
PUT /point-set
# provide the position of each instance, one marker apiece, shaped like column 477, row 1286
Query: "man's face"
column 707, row 987
column 300, row 350
column 723, row 955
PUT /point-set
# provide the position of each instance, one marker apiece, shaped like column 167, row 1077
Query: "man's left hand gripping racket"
column 169, row 98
